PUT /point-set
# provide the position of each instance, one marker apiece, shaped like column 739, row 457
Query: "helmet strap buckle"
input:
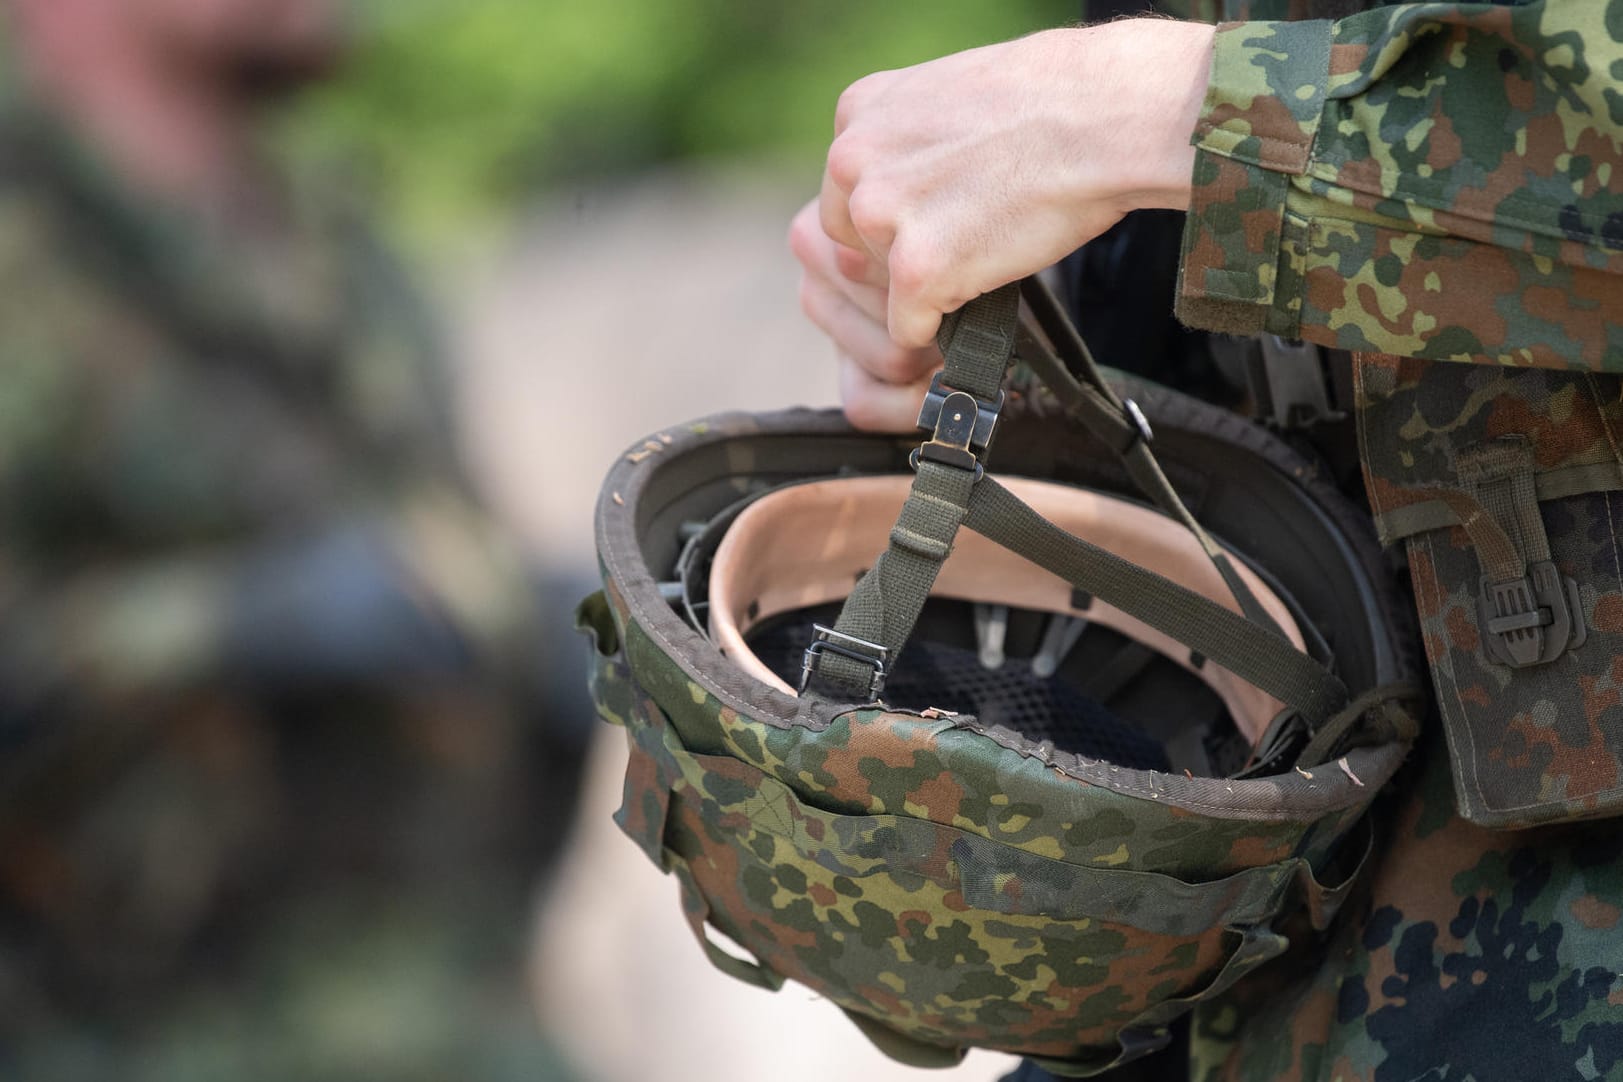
column 960, row 426
column 825, row 641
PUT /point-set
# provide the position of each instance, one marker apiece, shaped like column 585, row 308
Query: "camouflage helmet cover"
column 949, row 881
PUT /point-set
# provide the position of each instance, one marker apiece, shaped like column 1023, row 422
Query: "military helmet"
column 1037, row 785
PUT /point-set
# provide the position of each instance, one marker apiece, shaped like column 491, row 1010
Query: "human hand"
column 881, row 383
column 951, row 178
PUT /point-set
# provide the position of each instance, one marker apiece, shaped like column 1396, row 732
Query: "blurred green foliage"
column 454, row 108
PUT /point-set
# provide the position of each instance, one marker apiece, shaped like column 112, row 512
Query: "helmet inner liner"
column 805, row 545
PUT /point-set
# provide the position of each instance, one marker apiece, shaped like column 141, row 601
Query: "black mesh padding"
column 947, row 677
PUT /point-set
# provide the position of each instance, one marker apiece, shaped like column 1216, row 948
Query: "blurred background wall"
column 459, row 110
column 599, row 193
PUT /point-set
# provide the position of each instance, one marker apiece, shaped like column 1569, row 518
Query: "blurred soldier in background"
column 276, row 771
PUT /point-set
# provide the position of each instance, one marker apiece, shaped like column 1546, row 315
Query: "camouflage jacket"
column 1442, row 181
column 1428, row 180
column 261, row 652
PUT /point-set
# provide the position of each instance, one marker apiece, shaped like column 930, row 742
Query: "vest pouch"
column 1502, row 483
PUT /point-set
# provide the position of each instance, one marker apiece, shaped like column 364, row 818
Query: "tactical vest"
column 1497, row 482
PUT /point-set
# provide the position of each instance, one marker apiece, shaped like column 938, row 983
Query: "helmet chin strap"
column 950, row 489
column 803, row 545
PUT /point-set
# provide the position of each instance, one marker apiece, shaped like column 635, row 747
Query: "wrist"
column 1164, row 67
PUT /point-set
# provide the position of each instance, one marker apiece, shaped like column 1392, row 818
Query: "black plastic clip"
column 1531, row 620
column 825, row 640
column 960, row 426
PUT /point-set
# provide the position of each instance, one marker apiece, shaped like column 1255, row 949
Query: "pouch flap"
column 1502, row 483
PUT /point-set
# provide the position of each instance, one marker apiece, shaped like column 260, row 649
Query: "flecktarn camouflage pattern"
column 946, row 884
column 1442, row 181
column 1467, row 953
column 1502, row 482
column 1426, row 180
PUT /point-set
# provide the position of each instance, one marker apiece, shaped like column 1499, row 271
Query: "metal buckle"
column 986, row 413
column 825, row 640
column 960, row 426
column 1531, row 620
column 1141, row 423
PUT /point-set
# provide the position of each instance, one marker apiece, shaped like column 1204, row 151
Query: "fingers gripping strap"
column 1253, row 653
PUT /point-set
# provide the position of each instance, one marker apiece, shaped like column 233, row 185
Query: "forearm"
column 1432, row 180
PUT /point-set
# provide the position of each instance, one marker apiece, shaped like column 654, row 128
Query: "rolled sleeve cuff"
column 1242, row 250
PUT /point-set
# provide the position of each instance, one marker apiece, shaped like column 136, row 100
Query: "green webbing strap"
column 1081, row 388
column 1498, row 474
column 1382, row 706
column 1397, row 523
column 1500, row 559
column 878, row 617
column 977, row 342
column 1253, row 653
column 886, row 602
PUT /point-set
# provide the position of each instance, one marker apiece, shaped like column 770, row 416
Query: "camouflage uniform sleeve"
column 1431, row 180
